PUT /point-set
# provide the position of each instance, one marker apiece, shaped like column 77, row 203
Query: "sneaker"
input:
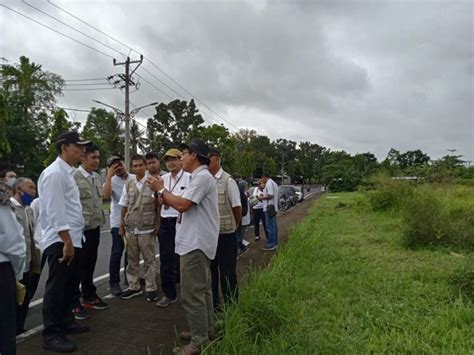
column 268, row 248
column 257, row 238
column 129, row 293
column 80, row 313
column 75, row 328
column 95, row 304
column 151, row 296
column 58, row 343
column 115, row 289
column 165, row 302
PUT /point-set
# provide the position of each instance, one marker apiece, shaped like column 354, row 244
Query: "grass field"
column 345, row 283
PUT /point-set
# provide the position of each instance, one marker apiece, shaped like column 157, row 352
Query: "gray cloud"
column 359, row 76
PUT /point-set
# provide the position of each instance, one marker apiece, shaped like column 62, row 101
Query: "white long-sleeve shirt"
column 12, row 241
column 60, row 204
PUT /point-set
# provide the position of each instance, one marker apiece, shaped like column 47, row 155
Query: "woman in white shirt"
column 257, row 210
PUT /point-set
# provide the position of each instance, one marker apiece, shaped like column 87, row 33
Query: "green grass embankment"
column 345, row 283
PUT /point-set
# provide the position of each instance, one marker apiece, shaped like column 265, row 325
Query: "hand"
column 122, row 231
column 68, row 254
column 112, row 170
column 155, row 183
column 260, row 198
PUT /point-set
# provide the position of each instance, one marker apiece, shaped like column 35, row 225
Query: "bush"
column 389, row 193
column 439, row 216
column 463, row 278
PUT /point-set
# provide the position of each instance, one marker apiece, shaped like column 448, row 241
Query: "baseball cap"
column 113, row 159
column 173, row 153
column 196, row 146
column 71, row 137
column 214, row 151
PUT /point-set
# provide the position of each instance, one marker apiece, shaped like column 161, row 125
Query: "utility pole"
column 282, row 167
column 127, row 78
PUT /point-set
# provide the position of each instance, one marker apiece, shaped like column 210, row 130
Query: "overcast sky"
column 354, row 75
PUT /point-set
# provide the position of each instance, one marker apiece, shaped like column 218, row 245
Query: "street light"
column 121, row 114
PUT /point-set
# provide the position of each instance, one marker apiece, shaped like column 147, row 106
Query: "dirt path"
column 139, row 327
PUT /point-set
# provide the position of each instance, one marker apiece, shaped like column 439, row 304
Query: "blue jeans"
column 272, row 230
column 239, row 234
column 116, row 256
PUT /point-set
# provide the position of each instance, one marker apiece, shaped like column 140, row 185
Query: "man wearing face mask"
column 9, row 176
column 24, row 193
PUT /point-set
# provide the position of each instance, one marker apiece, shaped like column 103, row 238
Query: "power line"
column 148, row 60
column 90, row 89
column 71, row 27
column 93, row 79
column 74, row 109
column 86, row 84
column 58, row 32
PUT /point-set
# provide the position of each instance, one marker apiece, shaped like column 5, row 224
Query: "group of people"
column 194, row 211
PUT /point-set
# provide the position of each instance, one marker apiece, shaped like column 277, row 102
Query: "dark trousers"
column 223, row 269
column 90, row 245
column 30, row 280
column 258, row 216
column 169, row 260
column 59, row 291
column 118, row 247
column 7, row 309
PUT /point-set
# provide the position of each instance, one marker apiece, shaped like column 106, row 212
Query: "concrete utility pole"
column 128, row 82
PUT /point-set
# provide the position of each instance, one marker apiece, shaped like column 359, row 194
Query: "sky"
column 359, row 76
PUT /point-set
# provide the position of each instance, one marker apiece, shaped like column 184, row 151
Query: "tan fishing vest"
column 91, row 200
column 227, row 220
column 142, row 211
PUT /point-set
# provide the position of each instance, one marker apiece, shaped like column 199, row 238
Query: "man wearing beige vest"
column 223, row 267
column 90, row 192
column 139, row 224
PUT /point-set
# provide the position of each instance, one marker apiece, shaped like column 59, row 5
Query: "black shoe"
column 80, row 313
column 59, row 344
column 151, row 296
column 115, row 289
column 97, row 304
column 129, row 293
column 76, row 328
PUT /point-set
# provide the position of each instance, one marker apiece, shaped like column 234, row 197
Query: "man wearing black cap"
column 223, row 267
column 197, row 230
column 116, row 178
column 63, row 226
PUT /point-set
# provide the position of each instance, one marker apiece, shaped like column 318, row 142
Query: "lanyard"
column 170, row 189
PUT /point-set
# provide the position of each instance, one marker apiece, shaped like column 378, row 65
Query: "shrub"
column 389, row 193
column 436, row 216
column 463, row 278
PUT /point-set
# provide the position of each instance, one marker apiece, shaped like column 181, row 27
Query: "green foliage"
column 388, row 193
column 342, row 284
column 463, row 277
column 440, row 216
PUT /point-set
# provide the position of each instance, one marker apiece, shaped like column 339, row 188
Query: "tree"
column 61, row 124
column 137, row 140
column 173, row 123
column 28, row 96
column 103, row 128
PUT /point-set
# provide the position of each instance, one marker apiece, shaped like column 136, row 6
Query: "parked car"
column 286, row 197
column 299, row 193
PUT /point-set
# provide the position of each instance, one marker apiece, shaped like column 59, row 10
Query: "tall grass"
column 343, row 283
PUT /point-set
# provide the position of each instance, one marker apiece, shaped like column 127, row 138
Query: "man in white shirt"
column 24, row 193
column 270, row 209
column 176, row 182
column 12, row 264
column 116, row 178
column 139, row 224
column 224, row 266
column 61, row 241
column 196, row 242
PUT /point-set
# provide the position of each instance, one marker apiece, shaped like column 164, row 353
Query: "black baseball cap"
column 196, row 146
column 71, row 137
column 113, row 159
column 214, row 151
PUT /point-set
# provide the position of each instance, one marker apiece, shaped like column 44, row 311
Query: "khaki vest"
column 26, row 218
column 227, row 220
column 142, row 211
column 91, row 200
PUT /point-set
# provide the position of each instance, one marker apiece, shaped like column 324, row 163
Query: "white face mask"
column 11, row 181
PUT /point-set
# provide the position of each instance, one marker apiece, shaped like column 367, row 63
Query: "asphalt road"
column 100, row 275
